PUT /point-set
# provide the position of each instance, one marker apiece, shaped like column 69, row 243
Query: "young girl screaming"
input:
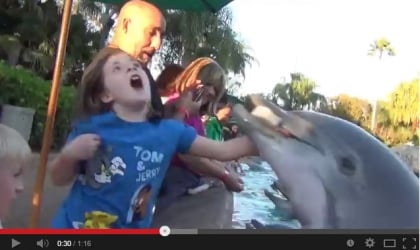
column 118, row 151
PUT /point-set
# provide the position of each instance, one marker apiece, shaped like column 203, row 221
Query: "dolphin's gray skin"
column 334, row 174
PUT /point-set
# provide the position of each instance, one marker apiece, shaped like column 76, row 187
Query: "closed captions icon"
column 350, row 243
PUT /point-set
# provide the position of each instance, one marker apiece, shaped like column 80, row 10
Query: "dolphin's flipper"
column 277, row 186
column 281, row 204
column 258, row 225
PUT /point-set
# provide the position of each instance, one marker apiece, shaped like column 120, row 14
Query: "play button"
column 15, row 243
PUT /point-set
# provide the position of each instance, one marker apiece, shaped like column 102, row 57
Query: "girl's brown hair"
column 209, row 73
column 92, row 86
column 166, row 80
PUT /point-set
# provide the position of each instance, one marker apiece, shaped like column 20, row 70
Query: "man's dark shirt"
column 157, row 104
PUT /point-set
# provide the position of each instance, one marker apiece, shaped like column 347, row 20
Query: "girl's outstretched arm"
column 214, row 169
column 223, row 151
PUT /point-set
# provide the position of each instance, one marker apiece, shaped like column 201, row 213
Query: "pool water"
column 251, row 203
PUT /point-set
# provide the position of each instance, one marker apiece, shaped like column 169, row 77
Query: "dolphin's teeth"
column 280, row 188
column 267, row 115
column 281, row 204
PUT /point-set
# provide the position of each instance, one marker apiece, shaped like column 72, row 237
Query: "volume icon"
column 42, row 243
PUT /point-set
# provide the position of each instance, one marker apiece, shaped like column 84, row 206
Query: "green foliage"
column 352, row 109
column 20, row 87
column 30, row 38
column 298, row 94
column 403, row 104
column 398, row 118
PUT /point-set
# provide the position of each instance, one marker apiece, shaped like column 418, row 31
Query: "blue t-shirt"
column 119, row 187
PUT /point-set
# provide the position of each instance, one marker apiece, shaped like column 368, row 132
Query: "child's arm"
column 63, row 170
column 223, row 151
column 214, row 169
column 191, row 143
column 64, row 166
column 203, row 165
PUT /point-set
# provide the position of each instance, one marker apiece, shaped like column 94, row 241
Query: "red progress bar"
column 151, row 231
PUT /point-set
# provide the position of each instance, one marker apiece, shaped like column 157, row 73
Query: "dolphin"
column 334, row 174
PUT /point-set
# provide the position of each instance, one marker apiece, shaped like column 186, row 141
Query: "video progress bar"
column 184, row 231
column 309, row 231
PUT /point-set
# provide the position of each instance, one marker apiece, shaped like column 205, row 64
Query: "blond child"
column 14, row 155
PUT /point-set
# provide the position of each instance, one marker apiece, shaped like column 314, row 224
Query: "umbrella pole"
column 52, row 107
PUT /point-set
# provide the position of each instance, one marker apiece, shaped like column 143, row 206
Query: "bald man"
column 139, row 32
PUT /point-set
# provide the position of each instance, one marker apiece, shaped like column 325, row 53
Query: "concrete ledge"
column 211, row 209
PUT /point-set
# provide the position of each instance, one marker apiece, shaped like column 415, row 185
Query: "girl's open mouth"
column 136, row 81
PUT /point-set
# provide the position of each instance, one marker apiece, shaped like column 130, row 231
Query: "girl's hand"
column 83, row 147
column 187, row 102
column 233, row 182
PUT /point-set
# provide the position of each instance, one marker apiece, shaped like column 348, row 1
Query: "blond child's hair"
column 210, row 73
column 13, row 145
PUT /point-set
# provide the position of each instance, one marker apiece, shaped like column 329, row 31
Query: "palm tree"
column 298, row 94
column 378, row 48
column 31, row 35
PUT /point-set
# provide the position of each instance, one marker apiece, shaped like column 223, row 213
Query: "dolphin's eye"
column 347, row 166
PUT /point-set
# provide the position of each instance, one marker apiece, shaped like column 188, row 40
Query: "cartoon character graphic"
column 100, row 169
column 117, row 166
column 104, row 175
column 139, row 203
column 96, row 220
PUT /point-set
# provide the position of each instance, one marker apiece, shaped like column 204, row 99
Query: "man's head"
column 139, row 31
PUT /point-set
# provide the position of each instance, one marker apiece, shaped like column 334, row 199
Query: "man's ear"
column 125, row 23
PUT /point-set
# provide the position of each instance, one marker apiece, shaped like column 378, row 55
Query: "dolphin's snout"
column 273, row 119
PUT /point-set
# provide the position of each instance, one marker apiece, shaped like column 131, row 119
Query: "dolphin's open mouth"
column 283, row 139
column 277, row 120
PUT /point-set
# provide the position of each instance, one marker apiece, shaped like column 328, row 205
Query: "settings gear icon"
column 369, row 242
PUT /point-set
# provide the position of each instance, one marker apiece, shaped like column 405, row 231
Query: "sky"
column 328, row 41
